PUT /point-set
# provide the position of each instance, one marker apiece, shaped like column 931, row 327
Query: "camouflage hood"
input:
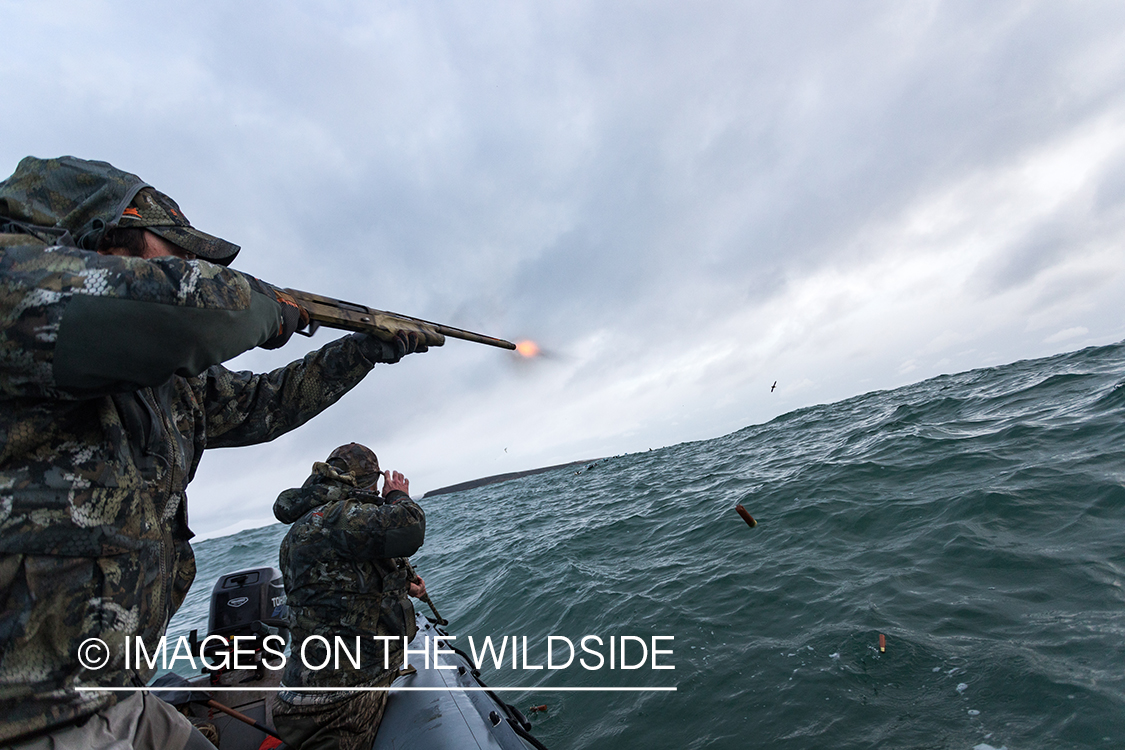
column 349, row 471
column 71, row 201
column 330, row 485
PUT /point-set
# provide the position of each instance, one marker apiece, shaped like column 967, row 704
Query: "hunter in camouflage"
column 111, row 389
column 346, row 575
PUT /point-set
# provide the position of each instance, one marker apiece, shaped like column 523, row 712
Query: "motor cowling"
column 248, row 603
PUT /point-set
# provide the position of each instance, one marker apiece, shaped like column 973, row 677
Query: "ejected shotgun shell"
column 882, row 644
column 749, row 519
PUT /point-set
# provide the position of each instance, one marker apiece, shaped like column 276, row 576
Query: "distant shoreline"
column 496, row 478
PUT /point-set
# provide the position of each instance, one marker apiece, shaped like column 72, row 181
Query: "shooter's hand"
column 394, row 480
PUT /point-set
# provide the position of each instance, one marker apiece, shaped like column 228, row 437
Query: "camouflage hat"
column 359, row 460
column 85, row 198
column 156, row 212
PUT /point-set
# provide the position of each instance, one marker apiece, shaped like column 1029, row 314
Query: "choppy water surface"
column 976, row 520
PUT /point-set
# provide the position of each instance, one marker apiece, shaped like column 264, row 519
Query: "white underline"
column 378, row 689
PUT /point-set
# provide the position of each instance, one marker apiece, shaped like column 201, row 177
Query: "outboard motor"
column 248, row 603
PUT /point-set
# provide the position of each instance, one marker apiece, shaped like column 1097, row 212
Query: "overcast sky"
column 680, row 202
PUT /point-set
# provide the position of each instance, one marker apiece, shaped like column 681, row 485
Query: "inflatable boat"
column 447, row 707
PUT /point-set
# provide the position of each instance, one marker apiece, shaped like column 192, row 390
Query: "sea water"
column 976, row 521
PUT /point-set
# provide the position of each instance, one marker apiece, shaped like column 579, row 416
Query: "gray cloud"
column 678, row 200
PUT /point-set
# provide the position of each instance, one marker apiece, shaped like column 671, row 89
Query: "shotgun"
column 349, row 316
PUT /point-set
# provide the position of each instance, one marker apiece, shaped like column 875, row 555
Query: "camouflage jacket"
column 341, row 575
column 109, row 392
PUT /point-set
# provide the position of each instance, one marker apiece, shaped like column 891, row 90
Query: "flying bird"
column 773, row 386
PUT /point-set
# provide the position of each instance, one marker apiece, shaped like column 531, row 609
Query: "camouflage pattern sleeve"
column 294, row 503
column 364, row 531
column 75, row 324
column 244, row 408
